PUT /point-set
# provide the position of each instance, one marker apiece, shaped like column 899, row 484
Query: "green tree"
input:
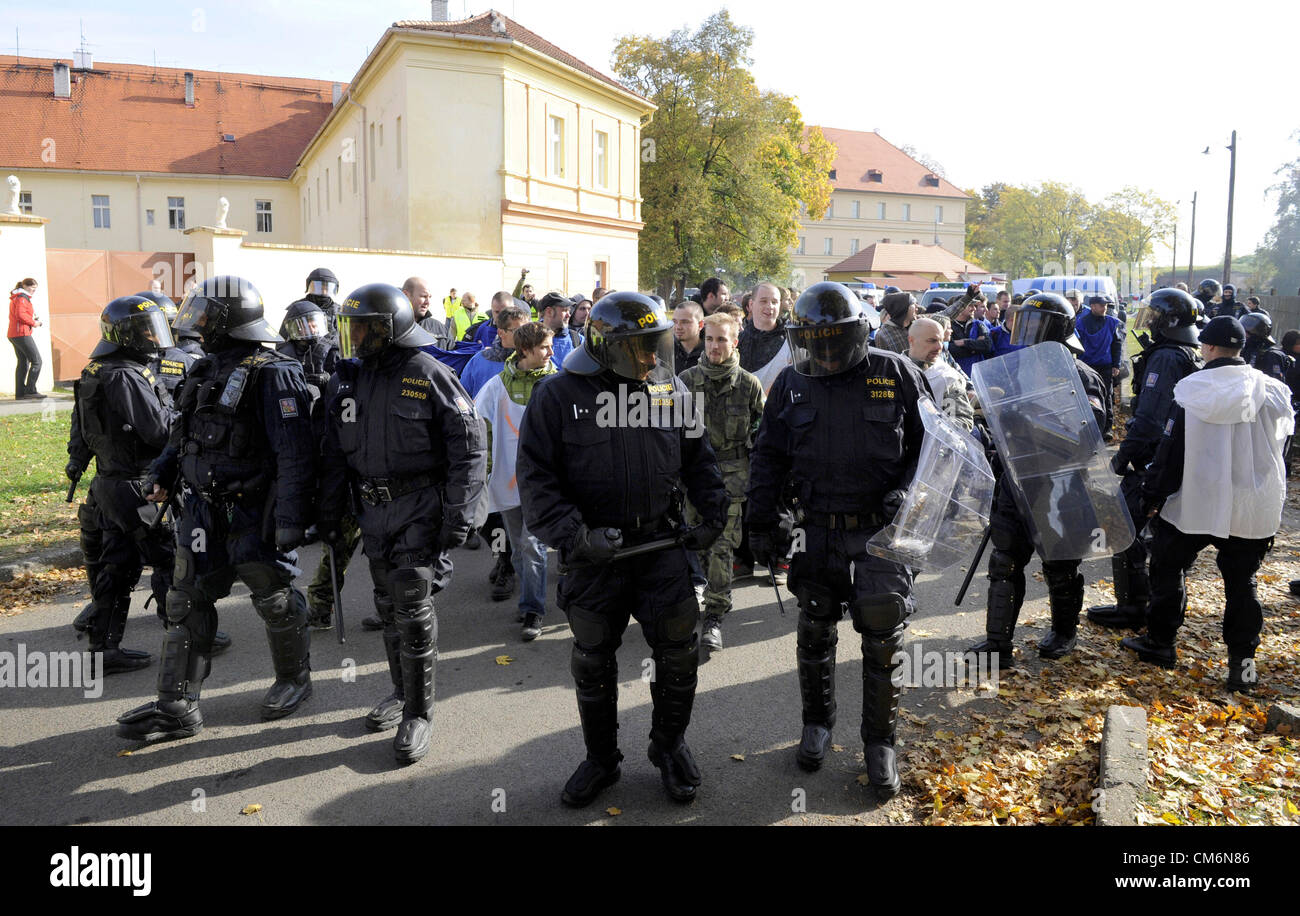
column 1282, row 243
column 730, row 165
column 1127, row 224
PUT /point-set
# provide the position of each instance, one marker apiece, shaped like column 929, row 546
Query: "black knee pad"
column 591, row 630
column 278, row 607
column 410, row 585
column 879, row 613
column 1063, row 579
column 592, row 668
column 1002, row 565
column 676, row 625
column 819, row 602
column 263, row 578
column 180, row 604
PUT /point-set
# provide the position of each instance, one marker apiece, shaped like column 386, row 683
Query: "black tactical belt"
column 377, row 490
column 842, row 522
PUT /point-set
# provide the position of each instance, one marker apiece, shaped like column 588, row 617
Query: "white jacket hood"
column 1228, row 394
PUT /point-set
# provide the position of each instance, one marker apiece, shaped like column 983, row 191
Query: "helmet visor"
column 642, row 357
column 325, row 288
column 1146, row 318
column 309, row 326
column 827, row 349
column 198, row 314
column 146, row 331
column 1029, row 326
column 364, row 335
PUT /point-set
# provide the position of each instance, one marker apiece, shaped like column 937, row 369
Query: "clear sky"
column 1100, row 94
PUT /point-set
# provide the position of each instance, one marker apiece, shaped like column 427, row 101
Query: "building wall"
column 842, row 228
column 65, row 198
column 565, row 259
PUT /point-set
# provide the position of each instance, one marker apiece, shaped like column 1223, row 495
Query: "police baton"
column 626, row 553
column 338, row 602
column 72, row 489
column 974, row 564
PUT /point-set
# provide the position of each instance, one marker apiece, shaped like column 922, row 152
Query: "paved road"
column 506, row 736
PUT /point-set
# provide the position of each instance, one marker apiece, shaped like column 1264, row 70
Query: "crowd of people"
column 792, row 439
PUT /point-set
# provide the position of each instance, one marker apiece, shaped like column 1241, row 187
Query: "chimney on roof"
column 83, row 60
column 62, row 80
column 337, row 93
column 189, row 89
column 438, row 13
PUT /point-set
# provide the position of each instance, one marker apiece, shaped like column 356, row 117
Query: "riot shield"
column 1050, row 446
column 947, row 507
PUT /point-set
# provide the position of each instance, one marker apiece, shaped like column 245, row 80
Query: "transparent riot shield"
column 1050, row 446
column 947, row 507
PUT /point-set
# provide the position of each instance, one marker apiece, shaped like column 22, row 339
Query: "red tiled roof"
column 482, row 26
column 858, row 152
column 132, row 118
column 899, row 258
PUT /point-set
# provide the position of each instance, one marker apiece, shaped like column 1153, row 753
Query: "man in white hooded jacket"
column 1217, row 478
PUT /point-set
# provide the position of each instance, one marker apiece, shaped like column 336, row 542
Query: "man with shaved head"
column 925, row 348
column 417, row 290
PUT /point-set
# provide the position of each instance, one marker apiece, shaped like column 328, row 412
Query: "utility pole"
column 1191, row 253
column 1232, row 181
column 1173, row 271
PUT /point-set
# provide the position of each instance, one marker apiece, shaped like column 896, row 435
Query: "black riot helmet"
column 132, row 323
column 828, row 331
column 1259, row 325
column 1170, row 313
column 376, row 316
column 628, row 334
column 223, row 308
column 1208, row 290
column 322, row 286
column 164, row 302
column 1040, row 318
column 1229, row 292
column 304, row 320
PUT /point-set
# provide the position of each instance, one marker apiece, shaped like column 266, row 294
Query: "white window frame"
column 25, row 202
column 857, row 209
column 907, row 213
column 101, row 211
column 938, row 213
column 600, row 158
column 176, row 213
column 802, row 246
column 853, row 246
column 555, row 152
column 263, row 215
column 880, row 210
column 829, row 246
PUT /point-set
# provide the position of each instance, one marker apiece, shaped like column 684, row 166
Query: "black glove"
column 892, row 502
column 702, row 536
column 769, row 545
column 974, row 293
column 287, row 539
column 452, row 536
column 594, row 546
column 74, row 471
column 1119, row 465
column 331, row 531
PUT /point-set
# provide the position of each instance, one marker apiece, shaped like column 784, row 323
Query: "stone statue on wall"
column 15, row 186
column 223, row 208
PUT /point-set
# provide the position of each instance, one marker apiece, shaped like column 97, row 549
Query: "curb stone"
column 62, row 558
column 1284, row 719
column 1123, row 776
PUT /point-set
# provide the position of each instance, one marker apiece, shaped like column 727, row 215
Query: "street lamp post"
column 1191, row 253
column 1232, row 181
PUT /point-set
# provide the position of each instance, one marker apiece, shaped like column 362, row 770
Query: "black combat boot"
column 1000, row 624
column 1242, row 676
column 106, row 629
column 672, row 691
column 1132, row 592
column 1065, row 604
column 1151, row 650
column 417, row 631
column 175, row 714
column 388, row 712
column 285, row 614
column 596, row 679
column 815, row 657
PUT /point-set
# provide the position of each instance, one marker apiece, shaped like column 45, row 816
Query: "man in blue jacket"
column 1102, row 337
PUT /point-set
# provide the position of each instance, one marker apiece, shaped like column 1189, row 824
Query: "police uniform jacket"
column 578, row 464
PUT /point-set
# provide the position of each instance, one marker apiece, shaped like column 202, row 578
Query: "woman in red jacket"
column 21, row 322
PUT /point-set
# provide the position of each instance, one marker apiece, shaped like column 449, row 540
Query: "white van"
column 1088, row 286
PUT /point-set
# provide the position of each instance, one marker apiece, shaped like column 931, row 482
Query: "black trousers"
column 1108, row 387
column 29, row 365
column 1172, row 554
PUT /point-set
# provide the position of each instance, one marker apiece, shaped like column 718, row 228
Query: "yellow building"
column 480, row 137
column 879, row 195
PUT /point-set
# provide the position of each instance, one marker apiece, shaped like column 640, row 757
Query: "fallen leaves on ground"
column 613, row 812
column 504, row 659
column 37, row 588
column 1031, row 754
column 251, row 809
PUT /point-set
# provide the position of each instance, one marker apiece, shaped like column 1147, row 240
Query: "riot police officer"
column 170, row 363
column 591, row 484
column 1228, row 305
column 243, row 448
column 841, row 407
column 1041, row 317
column 1207, row 291
column 1260, row 345
column 404, row 432
column 322, row 286
column 1170, row 315
column 122, row 416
